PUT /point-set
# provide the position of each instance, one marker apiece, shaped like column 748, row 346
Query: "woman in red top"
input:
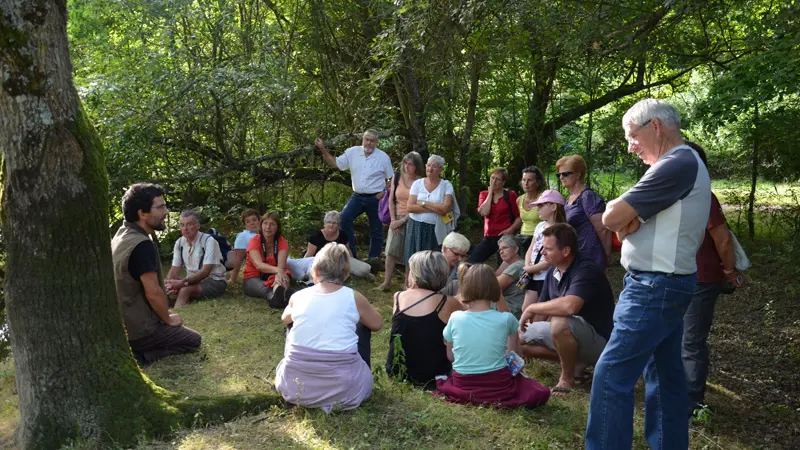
column 265, row 273
column 500, row 215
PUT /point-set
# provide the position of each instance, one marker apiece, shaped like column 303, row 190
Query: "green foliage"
column 399, row 357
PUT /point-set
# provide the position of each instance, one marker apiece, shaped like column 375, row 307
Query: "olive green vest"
column 139, row 318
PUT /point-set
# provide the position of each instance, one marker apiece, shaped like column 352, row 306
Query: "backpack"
column 383, row 206
column 224, row 248
column 507, row 198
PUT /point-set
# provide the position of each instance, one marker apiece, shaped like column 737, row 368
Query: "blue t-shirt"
column 479, row 340
column 242, row 239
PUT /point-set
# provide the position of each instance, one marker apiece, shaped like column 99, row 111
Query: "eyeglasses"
column 460, row 255
column 630, row 137
column 564, row 174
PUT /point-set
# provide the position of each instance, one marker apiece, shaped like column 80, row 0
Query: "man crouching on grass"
column 573, row 318
column 199, row 253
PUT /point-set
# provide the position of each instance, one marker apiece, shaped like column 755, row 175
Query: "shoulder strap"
column 396, row 181
column 263, row 248
column 202, row 249
column 396, row 302
column 441, row 303
column 418, row 302
column 507, row 198
column 180, row 250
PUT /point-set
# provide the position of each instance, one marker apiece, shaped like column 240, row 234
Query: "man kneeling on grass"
column 574, row 316
column 153, row 332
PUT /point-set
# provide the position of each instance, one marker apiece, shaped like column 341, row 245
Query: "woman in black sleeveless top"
column 416, row 347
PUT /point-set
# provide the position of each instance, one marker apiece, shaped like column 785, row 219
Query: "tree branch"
column 619, row 92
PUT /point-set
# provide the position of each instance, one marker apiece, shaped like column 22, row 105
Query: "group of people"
column 459, row 325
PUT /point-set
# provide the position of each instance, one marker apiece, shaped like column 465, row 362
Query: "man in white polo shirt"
column 661, row 222
column 199, row 253
column 369, row 169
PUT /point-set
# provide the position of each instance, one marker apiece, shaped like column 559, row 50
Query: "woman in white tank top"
column 321, row 365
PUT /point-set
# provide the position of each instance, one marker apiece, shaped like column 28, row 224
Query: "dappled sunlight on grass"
column 243, row 341
column 722, row 390
column 9, row 402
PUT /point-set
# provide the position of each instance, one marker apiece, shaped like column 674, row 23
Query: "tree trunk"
column 474, row 83
column 753, row 179
column 75, row 373
column 589, row 132
column 538, row 132
column 416, row 116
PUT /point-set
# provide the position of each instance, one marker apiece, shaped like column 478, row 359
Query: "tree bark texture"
column 751, row 202
column 472, row 106
column 75, row 373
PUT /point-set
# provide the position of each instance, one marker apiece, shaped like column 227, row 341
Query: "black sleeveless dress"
column 423, row 355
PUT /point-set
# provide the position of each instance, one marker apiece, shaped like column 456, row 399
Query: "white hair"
column 436, row 159
column 509, row 241
column 456, row 241
column 650, row 108
column 332, row 217
column 191, row 213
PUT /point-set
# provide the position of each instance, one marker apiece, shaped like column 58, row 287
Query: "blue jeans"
column 696, row 326
column 648, row 328
column 357, row 205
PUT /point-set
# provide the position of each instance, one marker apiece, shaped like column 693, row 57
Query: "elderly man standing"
column 199, row 253
column 660, row 222
column 369, row 169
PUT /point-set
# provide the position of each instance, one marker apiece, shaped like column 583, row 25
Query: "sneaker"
column 278, row 299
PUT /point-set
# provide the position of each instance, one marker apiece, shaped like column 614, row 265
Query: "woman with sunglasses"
column 584, row 209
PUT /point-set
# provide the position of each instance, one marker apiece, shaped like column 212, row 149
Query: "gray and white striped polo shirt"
column 673, row 200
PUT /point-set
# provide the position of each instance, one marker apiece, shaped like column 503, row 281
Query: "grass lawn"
column 243, row 341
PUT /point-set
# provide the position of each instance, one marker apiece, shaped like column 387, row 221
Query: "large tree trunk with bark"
column 75, row 373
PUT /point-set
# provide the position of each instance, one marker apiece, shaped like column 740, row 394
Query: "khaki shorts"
column 213, row 288
column 395, row 243
column 590, row 343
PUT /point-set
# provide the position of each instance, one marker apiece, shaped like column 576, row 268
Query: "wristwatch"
column 422, row 203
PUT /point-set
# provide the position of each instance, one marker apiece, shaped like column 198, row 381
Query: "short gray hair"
column 456, row 241
column 510, row 241
column 650, row 108
column 371, row 132
column 332, row 217
column 331, row 264
column 428, row 270
column 191, row 213
column 436, row 159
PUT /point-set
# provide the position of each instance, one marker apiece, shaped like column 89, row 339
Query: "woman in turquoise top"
column 477, row 342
